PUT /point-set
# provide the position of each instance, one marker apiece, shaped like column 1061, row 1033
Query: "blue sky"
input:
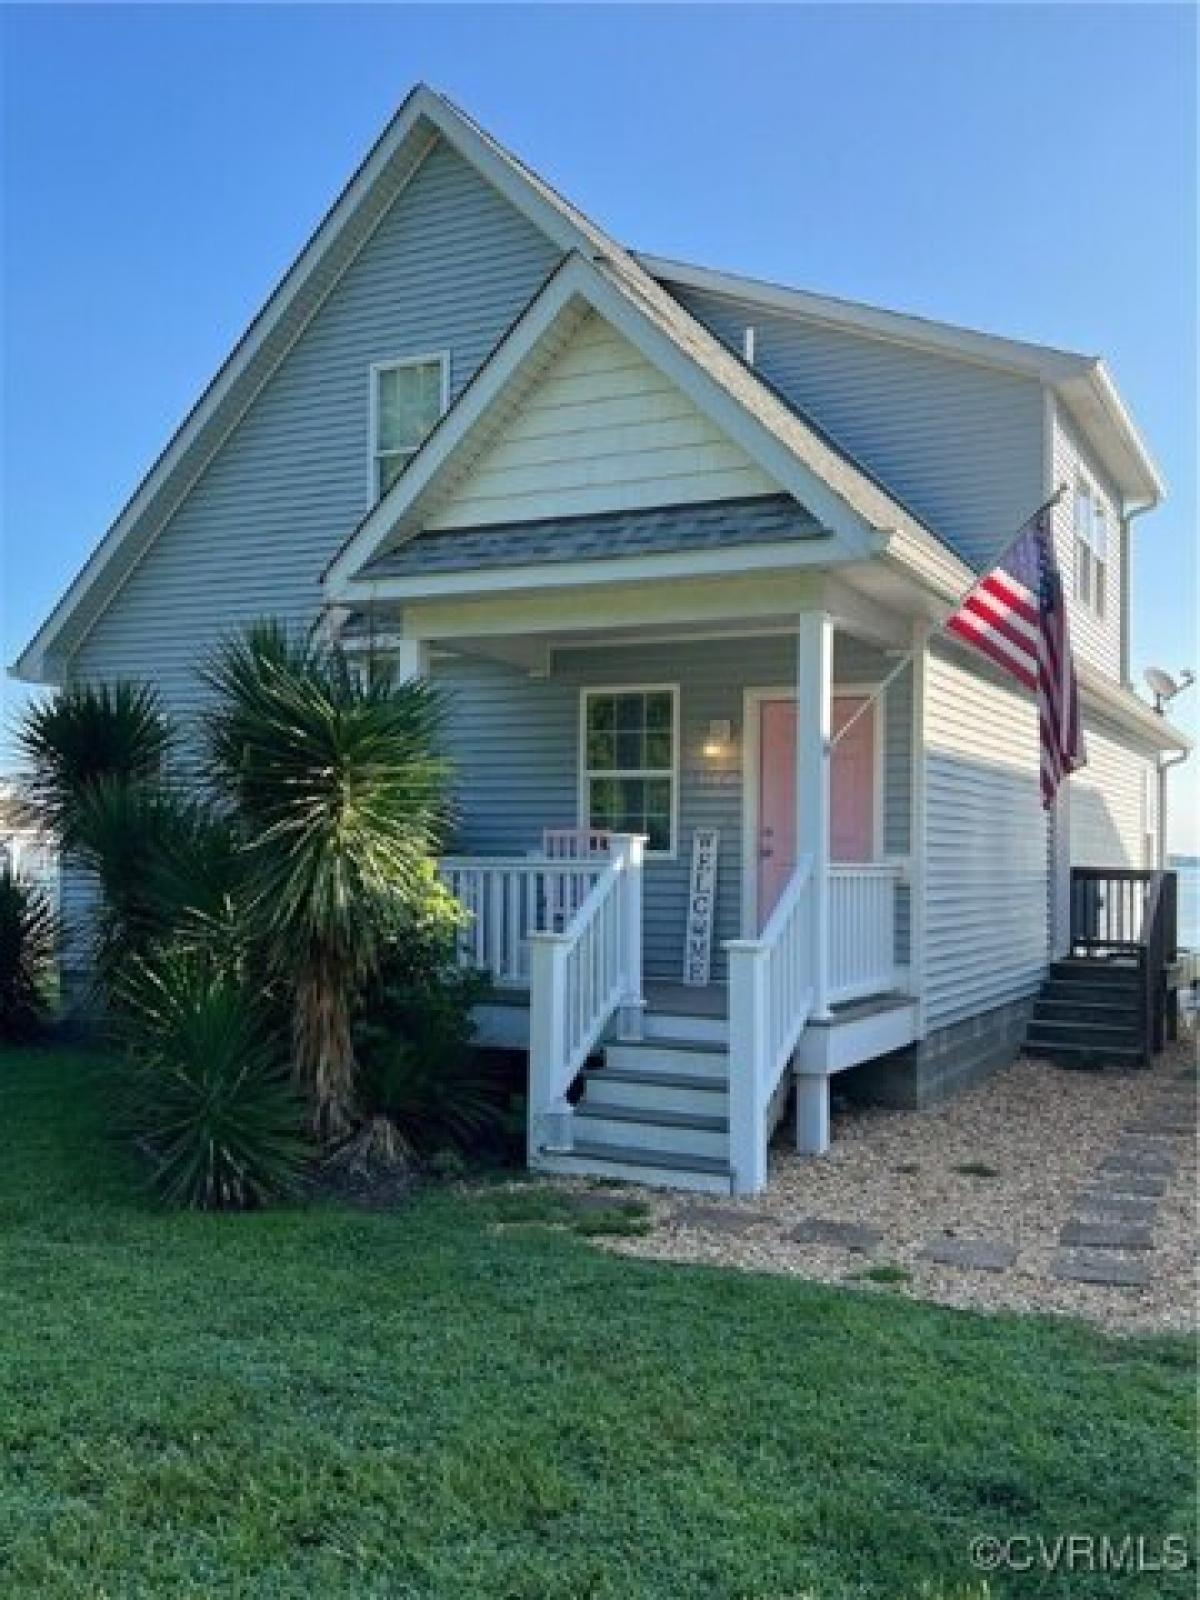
column 1021, row 169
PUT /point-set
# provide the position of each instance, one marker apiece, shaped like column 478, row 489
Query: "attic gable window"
column 407, row 398
column 1091, row 549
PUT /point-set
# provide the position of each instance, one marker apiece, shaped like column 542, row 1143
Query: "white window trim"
column 427, row 359
column 585, row 772
column 1098, row 505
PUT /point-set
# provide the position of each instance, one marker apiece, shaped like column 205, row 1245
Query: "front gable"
column 601, row 430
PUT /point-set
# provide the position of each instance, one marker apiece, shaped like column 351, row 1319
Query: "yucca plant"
column 29, row 942
column 340, row 795
column 204, row 1089
column 90, row 734
column 169, row 867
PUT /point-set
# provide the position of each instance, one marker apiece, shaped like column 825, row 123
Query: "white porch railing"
column 510, row 898
column 862, row 929
column 770, row 999
column 580, row 977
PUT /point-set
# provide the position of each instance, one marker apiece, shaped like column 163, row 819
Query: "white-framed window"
column 629, row 762
column 1091, row 549
column 407, row 398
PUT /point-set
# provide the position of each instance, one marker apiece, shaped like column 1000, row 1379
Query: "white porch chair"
column 566, row 894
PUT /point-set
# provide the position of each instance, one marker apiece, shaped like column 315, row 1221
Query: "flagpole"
column 907, row 659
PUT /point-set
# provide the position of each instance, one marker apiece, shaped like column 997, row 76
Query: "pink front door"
column 852, row 793
column 776, row 801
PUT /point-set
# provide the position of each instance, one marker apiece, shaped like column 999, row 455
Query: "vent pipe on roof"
column 748, row 346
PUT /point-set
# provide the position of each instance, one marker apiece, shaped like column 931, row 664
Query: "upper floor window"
column 1091, row 549
column 407, row 398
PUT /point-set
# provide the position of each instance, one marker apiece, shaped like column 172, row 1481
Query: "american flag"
column 1017, row 615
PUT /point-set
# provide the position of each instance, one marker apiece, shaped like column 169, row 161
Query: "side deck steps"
column 1090, row 1012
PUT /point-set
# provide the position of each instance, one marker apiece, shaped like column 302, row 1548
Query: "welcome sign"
column 702, row 896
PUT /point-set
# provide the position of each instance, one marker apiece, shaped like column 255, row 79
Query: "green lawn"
column 324, row 1403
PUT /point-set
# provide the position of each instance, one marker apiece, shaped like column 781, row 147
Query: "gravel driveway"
column 993, row 1179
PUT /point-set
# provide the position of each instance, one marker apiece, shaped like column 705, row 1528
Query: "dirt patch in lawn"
column 973, row 1204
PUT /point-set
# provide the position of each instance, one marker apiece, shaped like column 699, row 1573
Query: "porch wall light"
column 718, row 739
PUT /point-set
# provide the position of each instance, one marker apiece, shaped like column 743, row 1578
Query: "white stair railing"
column 770, row 1000
column 509, row 899
column 862, row 929
column 579, row 979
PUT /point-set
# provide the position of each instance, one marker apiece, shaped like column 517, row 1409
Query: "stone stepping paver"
column 1141, row 1163
column 1159, row 1127
column 980, row 1255
column 1108, row 1235
column 1130, row 1207
column 844, row 1235
column 1146, row 1145
column 1108, row 1271
column 718, row 1219
column 604, row 1200
column 1133, row 1183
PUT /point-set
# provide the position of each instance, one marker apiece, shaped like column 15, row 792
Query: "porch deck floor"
column 671, row 998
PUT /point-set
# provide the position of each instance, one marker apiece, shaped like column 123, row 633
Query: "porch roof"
column 767, row 519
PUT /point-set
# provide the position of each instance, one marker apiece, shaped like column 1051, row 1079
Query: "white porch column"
column 630, row 850
column 814, row 726
column 410, row 659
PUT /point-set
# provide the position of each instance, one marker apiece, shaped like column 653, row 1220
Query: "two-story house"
column 662, row 532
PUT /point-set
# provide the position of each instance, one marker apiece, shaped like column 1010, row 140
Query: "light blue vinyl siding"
column 448, row 269
column 515, row 742
column 961, row 444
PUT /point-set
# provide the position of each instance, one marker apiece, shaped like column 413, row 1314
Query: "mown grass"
column 322, row 1403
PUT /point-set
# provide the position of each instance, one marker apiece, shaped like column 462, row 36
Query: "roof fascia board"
column 423, row 112
column 1064, row 370
column 779, row 555
column 898, row 327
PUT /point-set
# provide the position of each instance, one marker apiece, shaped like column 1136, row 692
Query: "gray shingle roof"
column 763, row 520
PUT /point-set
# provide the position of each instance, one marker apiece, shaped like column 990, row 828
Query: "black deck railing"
column 1131, row 917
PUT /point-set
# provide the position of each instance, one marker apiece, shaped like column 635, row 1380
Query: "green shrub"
column 29, row 937
column 170, row 872
column 90, row 734
column 205, row 1091
column 341, row 794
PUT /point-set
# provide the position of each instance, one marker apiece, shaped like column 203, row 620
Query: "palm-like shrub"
column 205, row 1089
column 88, row 735
column 341, row 797
column 29, row 938
column 169, row 868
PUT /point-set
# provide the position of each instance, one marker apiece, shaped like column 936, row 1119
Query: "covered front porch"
column 591, row 769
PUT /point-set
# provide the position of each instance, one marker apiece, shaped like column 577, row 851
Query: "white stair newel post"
column 747, row 1068
column 628, row 852
column 814, row 735
column 549, row 1111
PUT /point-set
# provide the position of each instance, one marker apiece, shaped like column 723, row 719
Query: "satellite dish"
column 1164, row 687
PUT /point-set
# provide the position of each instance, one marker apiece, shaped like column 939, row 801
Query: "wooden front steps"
column 655, row 1112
